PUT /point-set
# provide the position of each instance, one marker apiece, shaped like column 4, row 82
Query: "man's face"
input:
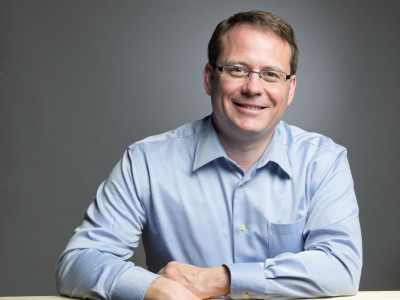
column 248, row 109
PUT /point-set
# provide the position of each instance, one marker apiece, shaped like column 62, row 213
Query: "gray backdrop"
column 82, row 80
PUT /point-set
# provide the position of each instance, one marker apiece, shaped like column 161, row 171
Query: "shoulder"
column 312, row 155
column 295, row 138
column 182, row 137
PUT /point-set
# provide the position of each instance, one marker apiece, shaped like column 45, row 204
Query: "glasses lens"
column 236, row 71
column 273, row 76
column 243, row 72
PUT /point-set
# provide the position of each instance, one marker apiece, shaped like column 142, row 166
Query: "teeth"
column 252, row 107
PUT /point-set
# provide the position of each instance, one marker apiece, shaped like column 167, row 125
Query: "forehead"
column 256, row 47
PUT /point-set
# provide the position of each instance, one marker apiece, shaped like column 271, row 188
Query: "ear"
column 292, row 88
column 208, row 74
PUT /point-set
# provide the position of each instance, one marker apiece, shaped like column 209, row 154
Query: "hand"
column 167, row 289
column 204, row 282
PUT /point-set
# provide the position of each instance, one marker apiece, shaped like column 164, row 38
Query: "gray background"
column 81, row 80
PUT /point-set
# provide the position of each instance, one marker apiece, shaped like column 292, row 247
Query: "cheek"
column 229, row 88
column 225, row 90
column 274, row 94
column 278, row 95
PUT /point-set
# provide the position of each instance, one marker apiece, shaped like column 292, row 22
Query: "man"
column 237, row 204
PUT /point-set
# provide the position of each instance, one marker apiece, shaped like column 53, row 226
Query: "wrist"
column 222, row 280
column 158, row 288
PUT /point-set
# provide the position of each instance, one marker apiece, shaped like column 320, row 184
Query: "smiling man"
column 247, row 105
column 238, row 203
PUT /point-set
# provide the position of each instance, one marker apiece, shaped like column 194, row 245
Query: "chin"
column 251, row 128
column 250, row 131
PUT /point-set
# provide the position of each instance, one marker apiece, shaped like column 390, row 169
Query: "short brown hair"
column 261, row 19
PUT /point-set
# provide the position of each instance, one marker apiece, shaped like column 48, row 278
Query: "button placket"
column 240, row 228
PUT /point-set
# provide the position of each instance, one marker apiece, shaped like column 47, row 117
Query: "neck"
column 244, row 153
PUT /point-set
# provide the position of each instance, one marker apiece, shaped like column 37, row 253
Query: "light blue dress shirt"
column 289, row 227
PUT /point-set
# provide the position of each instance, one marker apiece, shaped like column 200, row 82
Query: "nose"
column 252, row 86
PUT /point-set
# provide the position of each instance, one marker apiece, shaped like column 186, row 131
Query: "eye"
column 270, row 74
column 237, row 70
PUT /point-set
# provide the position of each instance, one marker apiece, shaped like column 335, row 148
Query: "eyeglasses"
column 269, row 76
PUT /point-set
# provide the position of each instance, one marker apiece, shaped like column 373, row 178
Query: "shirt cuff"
column 247, row 280
column 133, row 284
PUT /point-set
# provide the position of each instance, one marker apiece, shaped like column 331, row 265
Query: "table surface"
column 369, row 295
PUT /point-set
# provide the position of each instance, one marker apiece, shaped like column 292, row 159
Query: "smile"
column 251, row 107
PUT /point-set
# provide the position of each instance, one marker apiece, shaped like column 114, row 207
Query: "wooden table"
column 376, row 295
column 372, row 295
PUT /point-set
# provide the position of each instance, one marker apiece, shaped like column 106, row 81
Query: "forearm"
column 90, row 273
column 306, row 274
column 313, row 273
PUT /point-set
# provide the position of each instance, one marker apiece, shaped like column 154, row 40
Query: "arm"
column 93, row 263
column 331, row 262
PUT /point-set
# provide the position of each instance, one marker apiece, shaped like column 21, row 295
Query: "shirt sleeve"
column 93, row 264
column 331, row 262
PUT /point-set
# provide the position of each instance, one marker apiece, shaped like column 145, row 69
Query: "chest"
column 247, row 218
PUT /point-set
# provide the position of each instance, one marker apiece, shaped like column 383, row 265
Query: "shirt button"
column 246, row 296
column 243, row 228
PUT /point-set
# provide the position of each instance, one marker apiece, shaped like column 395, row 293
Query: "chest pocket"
column 286, row 237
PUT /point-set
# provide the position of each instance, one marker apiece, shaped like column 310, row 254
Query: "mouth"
column 250, row 107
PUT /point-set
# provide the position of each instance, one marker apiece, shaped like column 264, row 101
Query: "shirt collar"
column 209, row 148
column 276, row 152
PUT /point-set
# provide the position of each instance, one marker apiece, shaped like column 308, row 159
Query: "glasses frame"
column 287, row 76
